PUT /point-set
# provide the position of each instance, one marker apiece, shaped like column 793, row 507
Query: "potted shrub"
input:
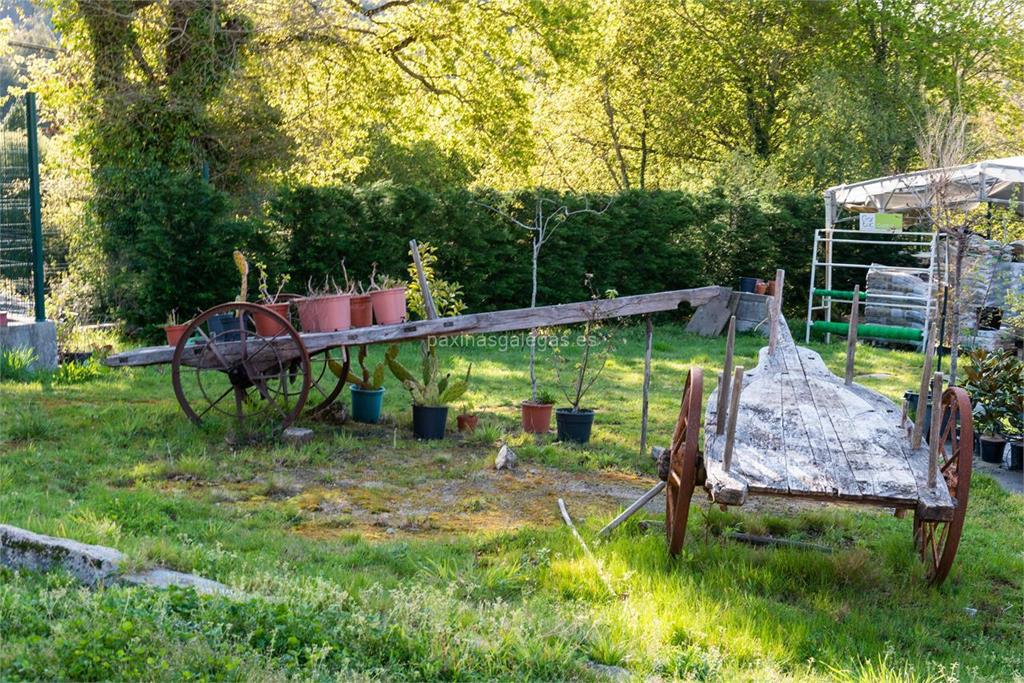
column 173, row 329
column 1016, row 414
column 536, row 413
column 325, row 309
column 577, row 377
column 368, row 390
column 466, row 419
column 993, row 383
column 431, row 394
column 267, row 326
column 387, row 297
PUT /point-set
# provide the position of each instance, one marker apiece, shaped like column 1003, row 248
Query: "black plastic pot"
column 992, row 450
column 574, row 425
column 428, row 422
column 1016, row 461
column 225, row 327
column 747, row 284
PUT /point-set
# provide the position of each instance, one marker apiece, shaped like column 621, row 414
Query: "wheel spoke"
column 214, row 403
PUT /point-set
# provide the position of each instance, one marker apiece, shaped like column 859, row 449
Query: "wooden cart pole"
column 776, row 310
column 723, row 385
column 934, row 427
column 730, row 432
column 851, row 336
column 647, row 384
column 428, row 298
column 922, row 396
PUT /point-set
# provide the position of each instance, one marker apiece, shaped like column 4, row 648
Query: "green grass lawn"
column 368, row 555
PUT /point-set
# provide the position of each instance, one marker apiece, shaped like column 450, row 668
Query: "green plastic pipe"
column 839, row 294
column 868, row 330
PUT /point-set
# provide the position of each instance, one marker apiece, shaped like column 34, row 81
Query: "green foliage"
column 447, row 296
column 431, row 389
column 994, row 380
column 15, row 365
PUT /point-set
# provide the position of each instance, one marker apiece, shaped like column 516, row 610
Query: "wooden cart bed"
column 802, row 432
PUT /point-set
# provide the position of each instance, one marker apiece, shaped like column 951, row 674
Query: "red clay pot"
column 331, row 313
column 266, row 326
column 362, row 311
column 174, row 333
column 389, row 305
column 467, row 423
column 761, row 287
column 536, row 417
column 770, row 288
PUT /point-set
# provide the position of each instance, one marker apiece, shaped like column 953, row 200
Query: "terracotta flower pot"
column 3, row 318
column 331, row 313
column 362, row 311
column 467, row 423
column 761, row 287
column 266, row 326
column 536, row 417
column 769, row 288
column 174, row 333
column 389, row 305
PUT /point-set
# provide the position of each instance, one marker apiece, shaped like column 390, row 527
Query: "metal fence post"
column 35, row 205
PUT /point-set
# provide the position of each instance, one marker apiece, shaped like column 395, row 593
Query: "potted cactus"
column 431, row 394
column 367, row 390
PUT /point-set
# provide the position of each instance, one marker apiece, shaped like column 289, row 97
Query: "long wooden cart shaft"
column 475, row 323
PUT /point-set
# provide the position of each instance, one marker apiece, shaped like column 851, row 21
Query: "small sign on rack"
column 881, row 222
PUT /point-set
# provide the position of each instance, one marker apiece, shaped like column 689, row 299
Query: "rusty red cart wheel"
column 937, row 540
column 683, row 455
column 223, row 365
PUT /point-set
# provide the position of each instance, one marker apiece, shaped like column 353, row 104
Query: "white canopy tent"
column 996, row 181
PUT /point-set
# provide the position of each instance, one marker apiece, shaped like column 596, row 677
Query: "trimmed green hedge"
column 169, row 238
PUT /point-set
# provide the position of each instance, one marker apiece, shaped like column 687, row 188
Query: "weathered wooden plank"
column 710, row 319
column 474, row 323
column 809, row 463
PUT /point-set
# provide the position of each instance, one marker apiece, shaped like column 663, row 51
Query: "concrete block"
column 21, row 332
column 23, row 549
column 297, row 436
column 165, row 578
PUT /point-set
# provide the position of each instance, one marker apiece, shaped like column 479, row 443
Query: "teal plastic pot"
column 367, row 404
column 574, row 425
column 428, row 422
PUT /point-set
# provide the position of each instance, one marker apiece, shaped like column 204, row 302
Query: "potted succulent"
column 325, row 309
column 536, row 413
column 225, row 326
column 368, row 390
column 575, row 422
column 466, row 419
column 993, row 381
column 266, row 325
column 432, row 394
column 173, row 329
column 387, row 296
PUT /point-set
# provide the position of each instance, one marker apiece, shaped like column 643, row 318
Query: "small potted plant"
column 432, row 394
column 173, row 329
column 387, row 296
column 226, row 326
column 266, row 325
column 575, row 422
column 466, row 419
column 367, row 390
column 325, row 309
column 536, row 413
column 993, row 383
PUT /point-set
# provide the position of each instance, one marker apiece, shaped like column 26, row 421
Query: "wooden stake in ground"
column 775, row 312
column 428, row 298
column 922, row 396
column 934, row 428
column 586, row 549
column 647, row 384
column 730, row 431
column 851, row 336
column 723, row 386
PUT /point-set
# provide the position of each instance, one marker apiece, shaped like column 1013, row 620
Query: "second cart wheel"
column 937, row 541
column 682, row 472
column 222, row 365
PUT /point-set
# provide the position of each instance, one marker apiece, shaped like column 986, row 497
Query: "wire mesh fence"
column 15, row 225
